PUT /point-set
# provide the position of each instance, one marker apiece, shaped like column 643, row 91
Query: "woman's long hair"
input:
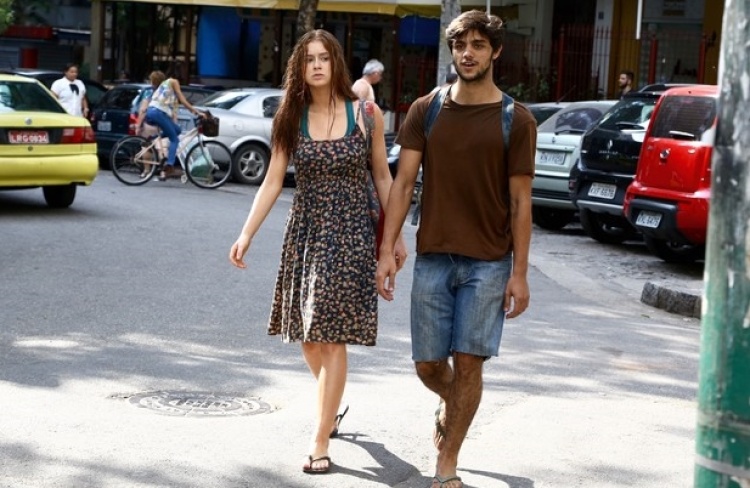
column 286, row 122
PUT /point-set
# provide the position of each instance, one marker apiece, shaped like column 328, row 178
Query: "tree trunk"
column 450, row 10
column 308, row 9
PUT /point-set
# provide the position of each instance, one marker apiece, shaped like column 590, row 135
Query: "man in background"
column 372, row 73
column 625, row 82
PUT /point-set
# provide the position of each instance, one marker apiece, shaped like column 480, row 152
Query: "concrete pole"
column 723, row 430
column 450, row 10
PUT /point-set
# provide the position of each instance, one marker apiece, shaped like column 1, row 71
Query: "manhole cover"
column 197, row 404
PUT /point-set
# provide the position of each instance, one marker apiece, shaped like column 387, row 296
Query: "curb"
column 682, row 302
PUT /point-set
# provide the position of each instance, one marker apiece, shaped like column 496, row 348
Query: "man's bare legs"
column 328, row 363
column 460, row 388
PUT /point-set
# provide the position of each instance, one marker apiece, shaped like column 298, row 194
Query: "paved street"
column 129, row 292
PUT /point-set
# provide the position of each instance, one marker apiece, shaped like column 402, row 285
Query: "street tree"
column 6, row 14
column 308, row 9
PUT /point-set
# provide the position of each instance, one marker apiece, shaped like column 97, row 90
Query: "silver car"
column 246, row 116
column 557, row 145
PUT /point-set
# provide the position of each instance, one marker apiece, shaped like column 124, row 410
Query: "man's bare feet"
column 446, row 482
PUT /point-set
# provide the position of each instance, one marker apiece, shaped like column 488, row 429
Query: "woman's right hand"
column 237, row 253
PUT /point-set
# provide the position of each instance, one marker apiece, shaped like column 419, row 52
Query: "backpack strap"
column 433, row 109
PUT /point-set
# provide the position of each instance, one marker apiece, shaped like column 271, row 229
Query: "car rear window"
column 119, row 98
column 16, row 96
column 629, row 113
column 576, row 120
column 225, row 100
column 684, row 117
column 270, row 106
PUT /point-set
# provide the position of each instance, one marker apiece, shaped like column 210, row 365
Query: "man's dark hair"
column 629, row 74
column 489, row 26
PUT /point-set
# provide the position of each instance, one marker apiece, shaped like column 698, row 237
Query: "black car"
column 94, row 90
column 607, row 165
column 115, row 115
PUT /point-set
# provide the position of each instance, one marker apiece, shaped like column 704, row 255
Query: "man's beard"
column 480, row 76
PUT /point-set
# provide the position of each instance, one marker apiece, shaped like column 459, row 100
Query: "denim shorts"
column 457, row 306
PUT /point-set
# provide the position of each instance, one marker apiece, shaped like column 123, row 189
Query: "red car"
column 669, row 199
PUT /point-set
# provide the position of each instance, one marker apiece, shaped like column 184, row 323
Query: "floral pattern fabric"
column 325, row 289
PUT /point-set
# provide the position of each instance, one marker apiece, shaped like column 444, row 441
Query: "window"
column 270, row 106
column 686, row 117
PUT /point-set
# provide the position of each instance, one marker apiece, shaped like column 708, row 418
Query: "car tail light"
column 77, row 135
column 132, row 124
column 706, row 170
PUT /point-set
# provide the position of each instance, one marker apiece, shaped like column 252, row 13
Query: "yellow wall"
column 714, row 11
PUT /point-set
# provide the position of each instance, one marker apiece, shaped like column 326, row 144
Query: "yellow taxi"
column 41, row 145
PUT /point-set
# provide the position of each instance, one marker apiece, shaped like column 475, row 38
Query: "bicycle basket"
column 210, row 125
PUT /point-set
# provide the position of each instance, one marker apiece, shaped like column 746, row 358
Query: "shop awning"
column 401, row 8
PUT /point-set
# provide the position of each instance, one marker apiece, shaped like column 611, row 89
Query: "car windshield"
column 575, row 120
column 19, row 96
column 632, row 113
column 225, row 100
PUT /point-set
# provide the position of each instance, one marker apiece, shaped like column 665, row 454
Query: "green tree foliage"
column 6, row 14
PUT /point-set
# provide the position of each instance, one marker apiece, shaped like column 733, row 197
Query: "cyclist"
column 162, row 112
column 140, row 105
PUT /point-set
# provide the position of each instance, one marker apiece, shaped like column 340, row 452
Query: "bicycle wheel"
column 133, row 160
column 208, row 164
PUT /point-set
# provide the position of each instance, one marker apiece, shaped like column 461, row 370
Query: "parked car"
column 94, row 90
column 557, row 140
column 544, row 110
column 41, row 145
column 607, row 165
column 669, row 199
column 246, row 116
column 115, row 115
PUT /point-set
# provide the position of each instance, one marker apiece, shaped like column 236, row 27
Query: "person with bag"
column 475, row 229
column 325, row 294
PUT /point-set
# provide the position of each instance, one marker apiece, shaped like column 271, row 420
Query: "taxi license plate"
column 28, row 137
column 648, row 219
column 104, row 125
column 556, row 158
column 602, row 190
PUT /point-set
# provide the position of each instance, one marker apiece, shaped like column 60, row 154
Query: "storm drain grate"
column 199, row 404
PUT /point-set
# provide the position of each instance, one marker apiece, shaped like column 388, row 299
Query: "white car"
column 557, row 144
column 246, row 117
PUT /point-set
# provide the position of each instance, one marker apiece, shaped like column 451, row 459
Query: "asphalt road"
column 129, row 292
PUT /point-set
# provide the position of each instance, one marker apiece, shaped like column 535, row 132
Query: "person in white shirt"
column 372, row 73
column 71, row 92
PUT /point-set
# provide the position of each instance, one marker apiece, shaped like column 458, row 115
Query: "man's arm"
column 517, row 291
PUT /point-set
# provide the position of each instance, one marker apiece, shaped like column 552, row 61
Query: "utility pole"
column 723, row 430
column 449, row 11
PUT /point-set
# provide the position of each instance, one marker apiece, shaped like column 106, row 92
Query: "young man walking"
column 475, row 230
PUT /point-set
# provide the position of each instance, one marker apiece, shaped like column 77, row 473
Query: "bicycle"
column 206, row 163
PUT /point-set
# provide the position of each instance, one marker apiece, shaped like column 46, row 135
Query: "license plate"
column 28, row 137
column 556, row 158
column 104, row 125
column 602, row 190
column 648, row 219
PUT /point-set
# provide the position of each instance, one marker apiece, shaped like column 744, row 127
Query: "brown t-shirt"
column 466, row 198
